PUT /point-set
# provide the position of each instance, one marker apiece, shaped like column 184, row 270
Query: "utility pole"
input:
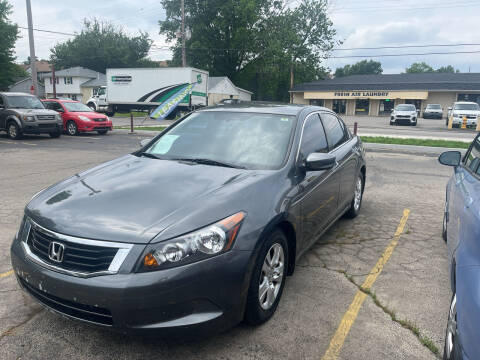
column 184, row 55
column 33, row 63
column 54, row 82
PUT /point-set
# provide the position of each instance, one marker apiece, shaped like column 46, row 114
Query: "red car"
column 78, row 117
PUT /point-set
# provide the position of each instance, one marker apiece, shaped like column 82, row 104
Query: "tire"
column 92, row 106
column 55, row 135
column 13, row 131
column 72, row 128
column 444, row 227
column 102, row 132
column 452, row 350
column 356, row 203
column 415, row 123
column 260, row 309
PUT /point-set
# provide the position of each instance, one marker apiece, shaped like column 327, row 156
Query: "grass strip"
column 416, row 142
column 146, row 128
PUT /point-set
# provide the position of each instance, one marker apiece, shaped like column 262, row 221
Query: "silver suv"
column 22, row 113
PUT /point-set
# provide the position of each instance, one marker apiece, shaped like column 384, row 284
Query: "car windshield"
column 405, row 108
column 433, row 106
column 24, row 102
column 246, row 140
column 76, row 107
column 467, row 107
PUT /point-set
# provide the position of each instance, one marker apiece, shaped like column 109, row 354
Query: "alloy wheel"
column 72, row 128
column 12, row 131
column 358, row 194
column 271, row 276
column 451, row 328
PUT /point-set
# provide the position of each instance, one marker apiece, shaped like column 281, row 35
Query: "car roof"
column 16, row 94
column 265, row 108
column 61, row 100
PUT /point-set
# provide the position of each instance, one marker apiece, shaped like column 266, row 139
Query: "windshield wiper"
column 210, row 162
column 149, row 155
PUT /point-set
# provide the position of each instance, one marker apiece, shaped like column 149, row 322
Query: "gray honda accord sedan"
column 198, row 229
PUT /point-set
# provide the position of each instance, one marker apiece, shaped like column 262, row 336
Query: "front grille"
column 46, row 126
column 99, row 119
column 403, row 116
column 46, row 117
column 76, row 257
column 77, row 310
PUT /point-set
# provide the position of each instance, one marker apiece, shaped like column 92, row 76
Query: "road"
column 426, row 128
column 413, row 285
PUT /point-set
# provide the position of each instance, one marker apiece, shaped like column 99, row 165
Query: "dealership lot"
column 413, row 284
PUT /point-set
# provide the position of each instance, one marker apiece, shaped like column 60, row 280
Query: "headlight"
column 198, row 245
column 29, row 118
column 58, row 118
column 84, row 118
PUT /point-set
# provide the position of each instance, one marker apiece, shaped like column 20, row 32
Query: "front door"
column 318, row 189
column 341, row 145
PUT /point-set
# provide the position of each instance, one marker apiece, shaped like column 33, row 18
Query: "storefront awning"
column 368, row 94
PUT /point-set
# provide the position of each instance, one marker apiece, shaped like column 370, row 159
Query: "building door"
column 386, row 107
column 340, row 106
column 362, row 106
column 417, row 103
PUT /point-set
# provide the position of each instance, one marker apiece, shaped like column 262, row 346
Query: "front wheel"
column 55, row 135
column 72, row 128
column 356, row 203
column 452, row 349
column 13, row 131
column 268, row 279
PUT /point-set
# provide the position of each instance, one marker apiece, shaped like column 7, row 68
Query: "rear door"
column 340, row 145
column 318, row 189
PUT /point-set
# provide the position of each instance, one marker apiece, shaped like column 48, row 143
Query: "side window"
column 57, row 107
column 48, row 105
column 313, row 137
column 473, row 158
column 336, row 132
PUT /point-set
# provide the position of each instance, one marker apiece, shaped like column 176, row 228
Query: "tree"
column 260, row 45
column 419, row 67
column 363, row 67
column 9, row 71
column 101, row 45
column 447, row 69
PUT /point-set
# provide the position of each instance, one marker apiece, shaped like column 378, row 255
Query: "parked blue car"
column 461, row 231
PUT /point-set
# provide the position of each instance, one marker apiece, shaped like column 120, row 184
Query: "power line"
column 48, row 31
column 404, row 47
column 410, row 54
column 393, row 9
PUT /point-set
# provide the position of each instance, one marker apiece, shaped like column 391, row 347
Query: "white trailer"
column 142, row 89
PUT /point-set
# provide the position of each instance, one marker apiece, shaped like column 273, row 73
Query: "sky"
column 359, row 23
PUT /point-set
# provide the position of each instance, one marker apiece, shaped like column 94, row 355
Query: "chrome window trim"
column 120, row 256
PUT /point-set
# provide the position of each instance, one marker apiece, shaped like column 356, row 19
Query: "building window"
column 317, row 102
column 386, row 106
column 469, row 97
column 67, row 80
column 51, row 81
column 74, row 97
column 340, row 106
column 362, row 106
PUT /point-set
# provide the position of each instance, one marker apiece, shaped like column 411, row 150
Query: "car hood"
column 89, row 114
column 466, row 112
column 132, row 199
column 35, row 111
column 405, row 112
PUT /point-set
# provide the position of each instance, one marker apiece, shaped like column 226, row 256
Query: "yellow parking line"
column 349, row 318
column 10, row 272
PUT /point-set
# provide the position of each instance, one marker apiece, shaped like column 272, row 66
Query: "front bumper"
column 95, row 126
column 459, row 122
column 403, row 121
column 203, row 297
column 40, row 128
column 432, row 115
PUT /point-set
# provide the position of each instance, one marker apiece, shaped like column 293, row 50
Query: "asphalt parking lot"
column 403, row 317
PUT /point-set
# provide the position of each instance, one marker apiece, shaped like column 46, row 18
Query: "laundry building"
column 377, row 95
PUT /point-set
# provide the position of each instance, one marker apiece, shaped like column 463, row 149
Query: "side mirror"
column 320, row 161
column 144, row 142
column 450, row 158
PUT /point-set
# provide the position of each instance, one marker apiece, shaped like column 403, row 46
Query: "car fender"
column 15, row 119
